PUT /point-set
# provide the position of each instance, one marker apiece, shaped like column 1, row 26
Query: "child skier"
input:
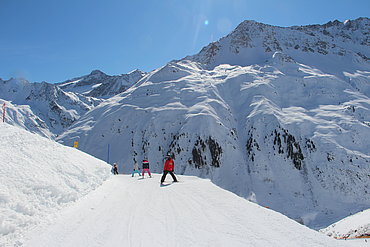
column 169, row 166
column 115, row 169
column 136, row 169
column 146, row 168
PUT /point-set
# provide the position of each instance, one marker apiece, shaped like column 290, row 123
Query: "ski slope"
column 128, row 211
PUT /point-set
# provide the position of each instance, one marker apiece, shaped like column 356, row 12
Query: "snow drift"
column 39, row 177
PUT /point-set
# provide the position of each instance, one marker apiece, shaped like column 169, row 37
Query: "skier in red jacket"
column 169, row 166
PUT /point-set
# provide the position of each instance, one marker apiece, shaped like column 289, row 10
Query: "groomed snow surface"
column 128, row 211
column 44, row 201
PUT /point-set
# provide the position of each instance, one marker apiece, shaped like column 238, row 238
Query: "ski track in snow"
column 128, row 211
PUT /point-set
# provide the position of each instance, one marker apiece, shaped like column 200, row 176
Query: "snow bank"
column 38, row 177
column 354, row 226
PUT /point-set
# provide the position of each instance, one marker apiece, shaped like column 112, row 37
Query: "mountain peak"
column 97, row 72
column 135, row 72
column 250, row 25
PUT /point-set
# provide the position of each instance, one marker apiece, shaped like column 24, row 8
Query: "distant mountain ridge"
column 52, row 108
column 100, row 85
column 278, row 115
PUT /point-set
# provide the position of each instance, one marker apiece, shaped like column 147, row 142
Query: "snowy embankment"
column 354, row 226
column 38, row 178
column 128, row 211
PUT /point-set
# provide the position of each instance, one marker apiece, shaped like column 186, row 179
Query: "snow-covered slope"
column 286, row 127
column 50, row 110
column 38, row 177
column 128, row 211
column 354, row 226
column 23, row 116
column 99, row 85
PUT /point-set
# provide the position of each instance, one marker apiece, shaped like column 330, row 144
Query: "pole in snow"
column 108, row 154
column 4, row 106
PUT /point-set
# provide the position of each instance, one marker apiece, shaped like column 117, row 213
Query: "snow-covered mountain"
column 42, row 108
column 277, row 115
column 100, row 85
column 49, row 109
column 251, row 43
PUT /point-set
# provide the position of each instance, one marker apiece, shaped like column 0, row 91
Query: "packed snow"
column 39, row 177
column 131, row 211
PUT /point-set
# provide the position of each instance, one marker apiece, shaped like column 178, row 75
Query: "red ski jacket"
column 169, row 165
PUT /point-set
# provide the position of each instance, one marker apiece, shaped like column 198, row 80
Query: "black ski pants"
column 165, row 174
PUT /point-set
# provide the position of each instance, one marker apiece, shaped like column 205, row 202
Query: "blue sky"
column 55, row 40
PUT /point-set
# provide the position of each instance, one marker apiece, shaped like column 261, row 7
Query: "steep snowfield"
column 354, row 226
column 23, row 116
column 38, row 177
column 128, row 211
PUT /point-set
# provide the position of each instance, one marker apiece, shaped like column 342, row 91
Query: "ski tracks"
column 127, row 211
